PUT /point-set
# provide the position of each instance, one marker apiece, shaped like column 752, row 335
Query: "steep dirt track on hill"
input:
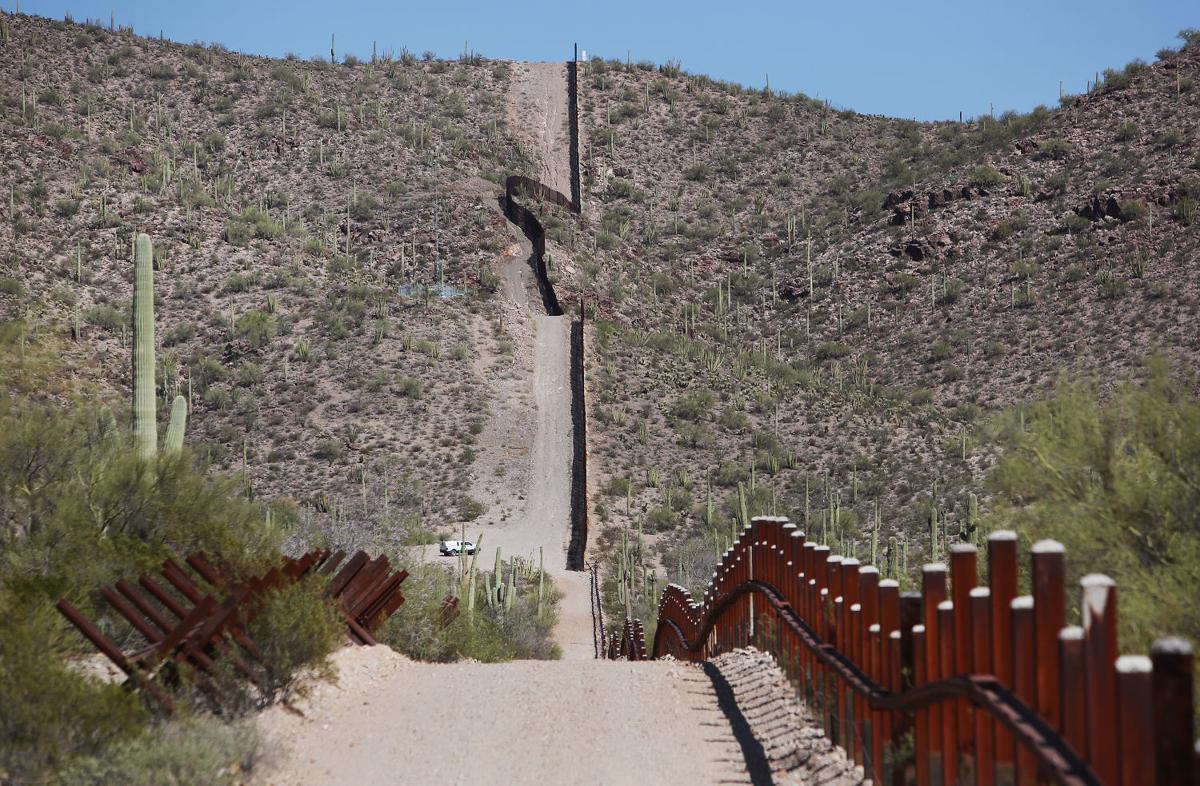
column 392, row 720
column 537, row 113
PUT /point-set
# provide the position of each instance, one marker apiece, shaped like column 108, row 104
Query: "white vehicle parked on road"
column 452, row 548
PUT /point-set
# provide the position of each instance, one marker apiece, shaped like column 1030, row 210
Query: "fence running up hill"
column 516, row 189
column 957, row 684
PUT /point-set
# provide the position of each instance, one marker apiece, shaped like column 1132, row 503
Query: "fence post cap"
column 1134, row 664
column 1096, row 580
column 1171, row 645
column 981, row 592
column 917, row 629
column 934, row 567
column 888, row 583
column 798, row 533
column 1002, row 534
column 874, row 628
column 1021, row 602
column 946, row 605
column 1071, row 633
column 850, row 562
column 1048, row 547
column 963, row 548
column 865, row 569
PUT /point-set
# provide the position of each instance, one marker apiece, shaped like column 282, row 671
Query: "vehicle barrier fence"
column 198, row 620
column 960, row 683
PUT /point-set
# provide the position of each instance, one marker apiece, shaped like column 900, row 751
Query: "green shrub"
column 618, row 486
column 193, row 751
column 106, row 317
column 1169, row 137
column 85, row 514
column 329, row 449
column 1113, row 479
column 51, row 713
column 694, row 406
column 256, row 327
column 985, row 176
column 1133, row 209
column 488, row 635
column 296, row 630
column 410, row 387
column 470, row 509
column 832, row 350
column 66, row 208
column 1056, row 148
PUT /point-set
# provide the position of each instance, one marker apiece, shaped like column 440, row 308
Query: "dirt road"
column 391, row 720
column 537, row 114
column 523, row 469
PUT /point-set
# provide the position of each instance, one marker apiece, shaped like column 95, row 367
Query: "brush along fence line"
column 198, row 620
column 959, row 683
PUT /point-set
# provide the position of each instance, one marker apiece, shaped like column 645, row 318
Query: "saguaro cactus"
column 145, row 425
column 173, row 443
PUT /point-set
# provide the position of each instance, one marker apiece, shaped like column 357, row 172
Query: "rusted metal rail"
column 196, row 620
column 958, row 684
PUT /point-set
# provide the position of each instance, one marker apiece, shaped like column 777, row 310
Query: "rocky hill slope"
column 825, row 309
column 800, row 310
column 327, row 239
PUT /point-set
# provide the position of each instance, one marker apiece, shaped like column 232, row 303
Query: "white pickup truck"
column 452, row 548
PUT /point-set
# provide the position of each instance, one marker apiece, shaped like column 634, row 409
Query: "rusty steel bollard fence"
column 197, row 620
column 958, row 685
column 631, row 645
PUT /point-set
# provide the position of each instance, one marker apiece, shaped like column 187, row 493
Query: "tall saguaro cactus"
column 145, row 424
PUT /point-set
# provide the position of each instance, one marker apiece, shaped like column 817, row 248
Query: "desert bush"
column 106, row 317
column 1133, row 209
column 488, row 634
column 410, row 387
column 1113, row 480
column 986, row 177
column 256, row 327
column 296, row 630
column 694, row 406
column 1169, row 137
column 1119, row 80
column 832, row 350
column 51, row 713
column 86, row 513
column 1127, row 131
column 1055, row 148
column 195, row 751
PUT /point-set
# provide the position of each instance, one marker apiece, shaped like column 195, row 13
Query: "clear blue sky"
column 928, row 59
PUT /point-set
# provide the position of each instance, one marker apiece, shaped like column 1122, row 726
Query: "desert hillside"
column 829, row 309
column 327, row 241
column 798, row 310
